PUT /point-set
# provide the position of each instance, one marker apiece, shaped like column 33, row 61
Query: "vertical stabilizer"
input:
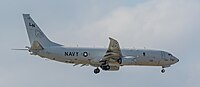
column 35, row 34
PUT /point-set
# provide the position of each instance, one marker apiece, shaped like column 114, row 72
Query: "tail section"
column 36, row 36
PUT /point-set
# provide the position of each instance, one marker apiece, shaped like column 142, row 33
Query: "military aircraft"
column 108, row 59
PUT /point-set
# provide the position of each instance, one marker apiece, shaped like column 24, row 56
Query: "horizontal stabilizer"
column 19, row 49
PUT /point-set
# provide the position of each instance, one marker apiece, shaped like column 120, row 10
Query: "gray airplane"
column 110, row 59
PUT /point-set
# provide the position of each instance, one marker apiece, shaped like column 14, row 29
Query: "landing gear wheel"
column 163, row 71
column 97, row 70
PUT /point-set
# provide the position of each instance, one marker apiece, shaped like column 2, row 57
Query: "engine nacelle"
column 114, row 68
column 110, row 68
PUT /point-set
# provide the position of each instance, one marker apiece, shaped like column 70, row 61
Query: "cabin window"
column 144, row 53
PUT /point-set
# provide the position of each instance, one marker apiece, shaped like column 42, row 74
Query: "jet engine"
column 110, row 68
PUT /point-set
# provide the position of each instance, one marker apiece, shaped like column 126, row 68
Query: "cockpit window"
column 169, row 54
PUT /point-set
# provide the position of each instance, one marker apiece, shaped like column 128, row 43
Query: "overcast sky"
column 170, row 25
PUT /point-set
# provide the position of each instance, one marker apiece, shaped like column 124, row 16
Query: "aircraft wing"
column 113, row 53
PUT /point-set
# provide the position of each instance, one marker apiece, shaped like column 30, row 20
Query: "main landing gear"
column 97, row 70
column 104, row 66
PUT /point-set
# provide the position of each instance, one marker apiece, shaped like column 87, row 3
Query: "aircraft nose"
column 176, row 59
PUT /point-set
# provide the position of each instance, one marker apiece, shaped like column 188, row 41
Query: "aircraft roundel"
column 85, row 54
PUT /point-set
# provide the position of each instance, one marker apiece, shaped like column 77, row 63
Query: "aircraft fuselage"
column 92, row 56
column 108, row 59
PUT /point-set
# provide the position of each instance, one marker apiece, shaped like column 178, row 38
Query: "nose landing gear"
column 97, row 70
column 163, row 70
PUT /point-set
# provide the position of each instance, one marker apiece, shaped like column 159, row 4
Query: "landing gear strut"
column 163, row 70
column 97, row 70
